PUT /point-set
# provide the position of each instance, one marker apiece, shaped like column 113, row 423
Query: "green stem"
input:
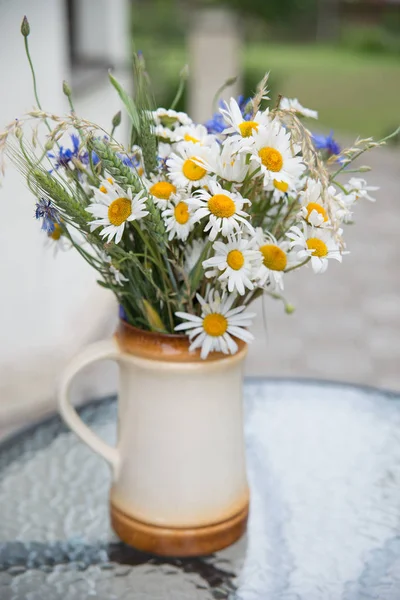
column 299, row 265
column 34, row 79
column 179, row 92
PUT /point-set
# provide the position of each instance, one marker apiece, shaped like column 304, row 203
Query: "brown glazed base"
column 176, row 542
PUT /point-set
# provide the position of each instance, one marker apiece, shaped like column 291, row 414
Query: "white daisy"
column 230, row 164
column 274, row 152
column 235, row 262
column 238, row 124
column 360, row 189
column 317, row 243
column 114, row 207
column 187, row 167
column 119, row 278
column 275, row 259
column 178, row 219
column 293, row 105
column 224, row 210
column 197, row 134
column 342, row 204
column 166, row 136
column 170, row 118
column 116, row 274
column 57, row 240
column 313, row 210
column 213, row 330
column 162, row 190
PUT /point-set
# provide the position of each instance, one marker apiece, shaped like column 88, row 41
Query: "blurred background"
column 340, row 57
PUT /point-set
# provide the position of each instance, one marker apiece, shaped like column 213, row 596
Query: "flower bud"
column 289, row 309
column 49, row 144
column 66, row 89
column 25, row 28
column 116, row 119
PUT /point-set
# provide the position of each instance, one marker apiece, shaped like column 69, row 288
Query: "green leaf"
column 128, row 103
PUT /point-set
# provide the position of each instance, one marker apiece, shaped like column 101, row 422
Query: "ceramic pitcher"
column 179, row 483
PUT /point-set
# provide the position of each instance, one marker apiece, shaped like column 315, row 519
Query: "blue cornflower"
column 129, row 161
column 245, row 107
column 84, row 158
column 65, row 155
column 122, row 313
column 46, row 211
column 327, row 143
column 217, row 123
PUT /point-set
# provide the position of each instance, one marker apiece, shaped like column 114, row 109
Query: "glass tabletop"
column 324, row 473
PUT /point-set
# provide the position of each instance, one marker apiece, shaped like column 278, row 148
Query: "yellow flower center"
column 56, row 233
column 274, row 258
column 119, row 210
column 181, row 213
column 282, row 186
column 319, row 247
column 315, row 206
column 192, row 171
column 163, row 190
column 215, row 324
column 190, row 138
column 247, row 127
column 103, row 188
column 221, row 206
column 235, row 259
column 271, row 158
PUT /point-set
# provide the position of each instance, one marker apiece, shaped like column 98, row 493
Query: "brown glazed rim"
column 184, row 542
column 169, row 347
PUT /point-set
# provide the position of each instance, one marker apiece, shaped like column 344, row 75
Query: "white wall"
column 49, row 307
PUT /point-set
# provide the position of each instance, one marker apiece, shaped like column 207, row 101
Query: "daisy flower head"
column 188, row 166
column 342, row 205
column 293, row 105
column 239, row 125
column 197, row 134
column 312, row 209
column 218, row 324
column 274, row 152
column 275, row 259
column 170, row 119
column 360, row 189
column 116, row 275
column 162, row 190
column 231, row 164
column 113, row 207
column 315, row 242
column 57, row 239
column 234, row 262
column 223, row 209
column 179, row 220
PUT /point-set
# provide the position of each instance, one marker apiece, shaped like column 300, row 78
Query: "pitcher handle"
column 98, row 351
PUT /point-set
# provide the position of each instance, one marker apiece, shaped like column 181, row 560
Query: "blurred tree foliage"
column 286, row 12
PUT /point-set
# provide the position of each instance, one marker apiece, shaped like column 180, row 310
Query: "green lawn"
column 354, row 93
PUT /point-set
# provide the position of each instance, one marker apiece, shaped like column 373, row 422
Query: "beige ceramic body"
column 179, row 461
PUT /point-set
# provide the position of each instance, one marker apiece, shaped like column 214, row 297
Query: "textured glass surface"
column 324, row 472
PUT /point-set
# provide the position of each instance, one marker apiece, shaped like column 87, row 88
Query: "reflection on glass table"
column 324, row 473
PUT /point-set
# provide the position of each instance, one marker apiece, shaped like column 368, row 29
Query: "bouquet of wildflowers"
column 188, row 224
